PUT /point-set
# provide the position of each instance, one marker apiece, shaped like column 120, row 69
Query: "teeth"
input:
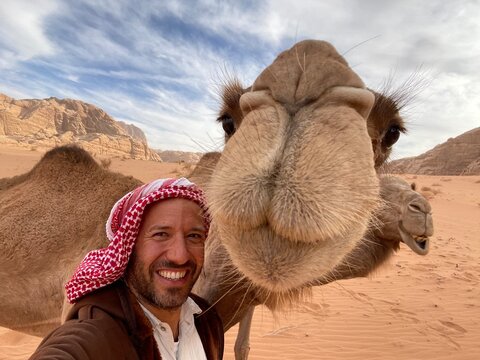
column 419, row 238
column 172, row 275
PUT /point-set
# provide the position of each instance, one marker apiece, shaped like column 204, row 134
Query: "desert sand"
column 412, row 308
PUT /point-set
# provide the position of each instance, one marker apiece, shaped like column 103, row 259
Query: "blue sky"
column 158, row 64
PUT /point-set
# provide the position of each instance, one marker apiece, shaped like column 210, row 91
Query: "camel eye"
column 228, row 124
column 391, row 137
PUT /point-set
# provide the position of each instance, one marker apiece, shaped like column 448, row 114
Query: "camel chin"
column 420, row 244
column 278, row 265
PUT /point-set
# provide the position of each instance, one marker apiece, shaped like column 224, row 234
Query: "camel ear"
column 360, row 99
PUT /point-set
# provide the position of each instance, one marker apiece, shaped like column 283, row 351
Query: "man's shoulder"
column 95, row 325
column 93, row 338
column 99, row 303
column 88, row 330
column 98, row 312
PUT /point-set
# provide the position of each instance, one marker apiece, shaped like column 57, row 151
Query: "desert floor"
column 413, row 308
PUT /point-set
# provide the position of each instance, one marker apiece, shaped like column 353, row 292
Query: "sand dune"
column 413, row 308
column 15, row 345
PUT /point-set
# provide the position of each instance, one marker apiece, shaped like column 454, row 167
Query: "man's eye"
column 160, row 234
column 196, row 237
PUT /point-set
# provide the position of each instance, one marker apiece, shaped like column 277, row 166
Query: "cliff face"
column 456, row 156
column 53, row 122
column 133, row 131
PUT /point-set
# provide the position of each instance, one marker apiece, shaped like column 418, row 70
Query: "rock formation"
column 42, row 124
column 456, row 156
column 172, row 156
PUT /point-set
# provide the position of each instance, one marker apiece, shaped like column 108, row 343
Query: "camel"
column 49, row 219
column 404, row 217
column 291, row 195
column 384, row 125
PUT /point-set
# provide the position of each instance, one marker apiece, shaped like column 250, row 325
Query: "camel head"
column 295, row 187
column 384, row 123
column 407, row 216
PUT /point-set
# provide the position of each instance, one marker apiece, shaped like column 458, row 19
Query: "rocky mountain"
column 133, row 131
column 46, row 123
column 456, row 156
column 179, row 156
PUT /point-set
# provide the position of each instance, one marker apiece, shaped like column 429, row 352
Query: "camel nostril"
column 415, row 207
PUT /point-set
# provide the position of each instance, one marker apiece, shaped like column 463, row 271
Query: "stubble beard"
column 144, row 286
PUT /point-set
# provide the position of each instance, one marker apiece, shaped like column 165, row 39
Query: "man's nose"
column 178, row 252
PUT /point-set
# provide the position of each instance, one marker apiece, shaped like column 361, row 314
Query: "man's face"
column 168, row 254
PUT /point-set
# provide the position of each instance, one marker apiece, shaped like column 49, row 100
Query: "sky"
column 159, row 64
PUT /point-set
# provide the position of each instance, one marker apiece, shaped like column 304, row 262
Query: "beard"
column 143, row 283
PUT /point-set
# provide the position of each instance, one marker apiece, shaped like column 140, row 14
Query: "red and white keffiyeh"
column 104, row 266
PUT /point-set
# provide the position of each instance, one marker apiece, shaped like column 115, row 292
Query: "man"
column 132, row 299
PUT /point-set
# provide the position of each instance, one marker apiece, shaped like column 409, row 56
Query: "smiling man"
column 132, row 299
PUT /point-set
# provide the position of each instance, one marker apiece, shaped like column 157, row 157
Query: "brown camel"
column 384, row 126
column 291, row 195
column 405, row 217
column 50, row 218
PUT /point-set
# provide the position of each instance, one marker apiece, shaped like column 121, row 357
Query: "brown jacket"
column 108, row 324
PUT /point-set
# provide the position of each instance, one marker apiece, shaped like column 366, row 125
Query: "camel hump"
column 209, row 159
column 69, row 155
column 202, row 172
column 68, row 161
column 65, row 161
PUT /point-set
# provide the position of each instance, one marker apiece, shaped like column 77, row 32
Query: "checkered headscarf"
column 104, row 266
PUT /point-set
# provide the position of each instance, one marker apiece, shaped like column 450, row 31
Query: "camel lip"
column 419, row 244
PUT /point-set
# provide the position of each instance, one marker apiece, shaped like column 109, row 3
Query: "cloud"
column 439, row 37
column 22, row 34
column 168, row 123
column 158, row 64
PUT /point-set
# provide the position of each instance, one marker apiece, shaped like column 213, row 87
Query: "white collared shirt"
column 189, row 345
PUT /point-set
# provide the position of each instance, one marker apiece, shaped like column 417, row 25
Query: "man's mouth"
column 172, row 275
